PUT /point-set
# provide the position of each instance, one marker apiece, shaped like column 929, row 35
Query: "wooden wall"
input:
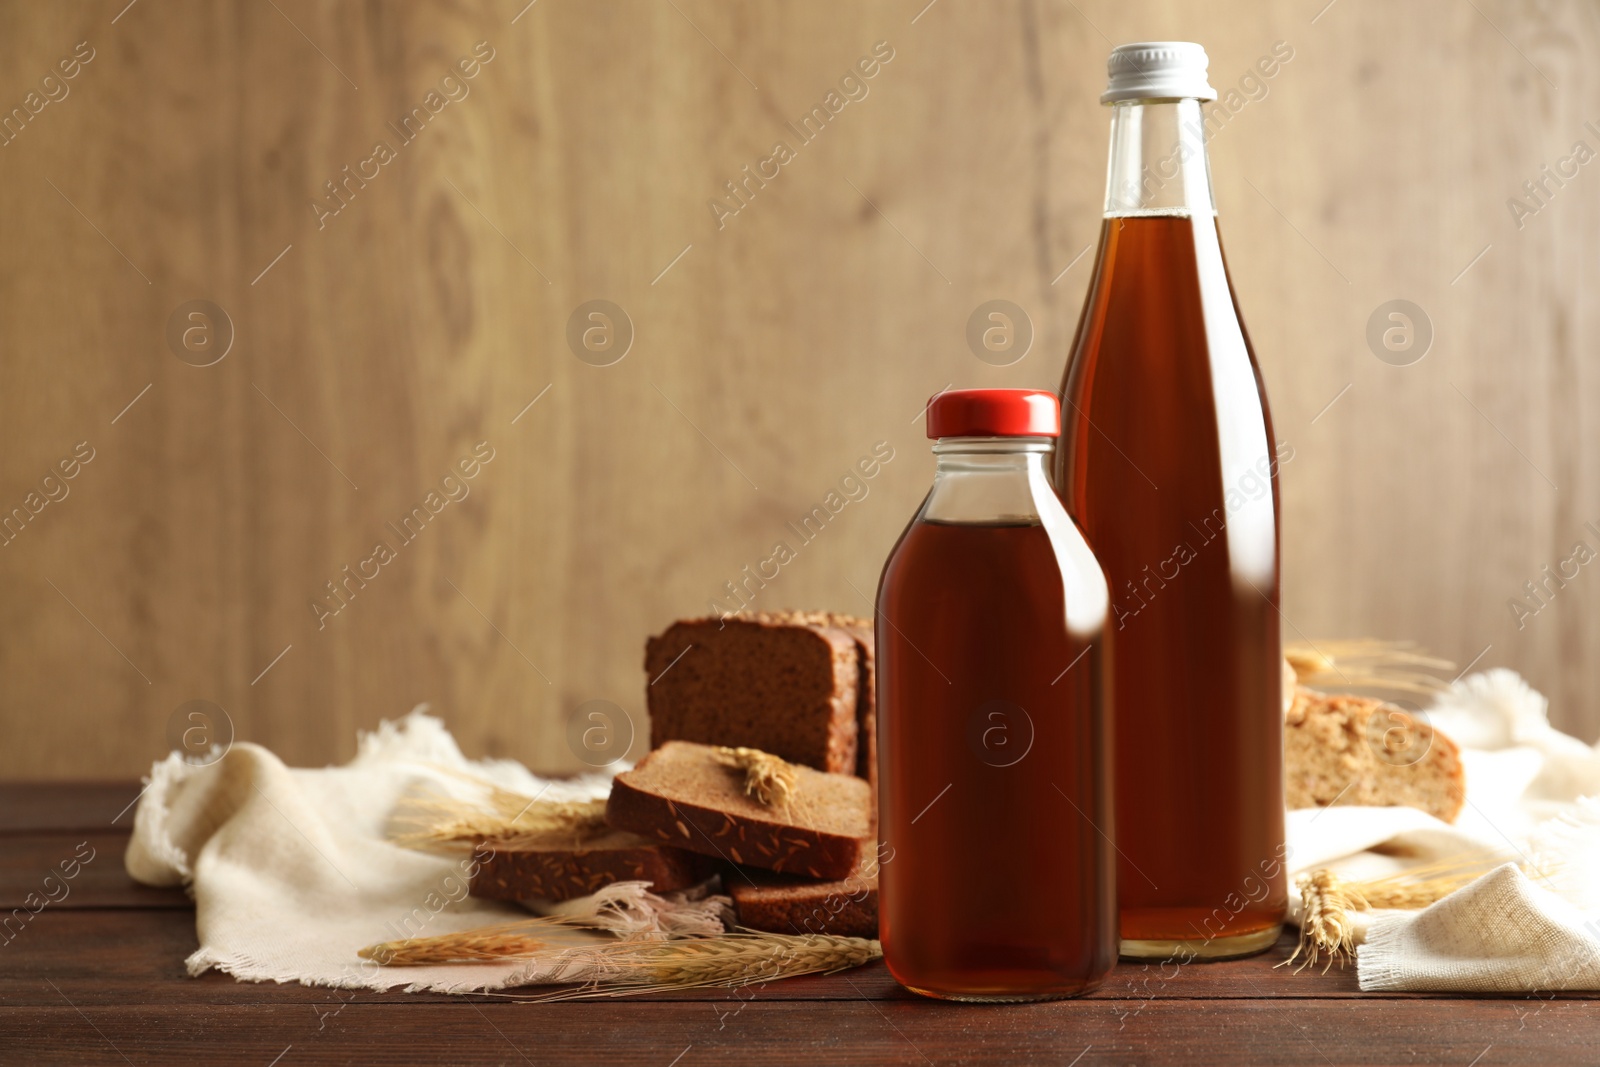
column 375, row 348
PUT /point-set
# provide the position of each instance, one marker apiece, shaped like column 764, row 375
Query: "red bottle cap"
column 994, row 413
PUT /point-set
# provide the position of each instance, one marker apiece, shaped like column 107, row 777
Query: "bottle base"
column 1002, row 998
column 1202, row 949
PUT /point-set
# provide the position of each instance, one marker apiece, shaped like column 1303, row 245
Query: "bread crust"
column 562, row 874
column 683, row 795
column 866, row 695
column 783, row 904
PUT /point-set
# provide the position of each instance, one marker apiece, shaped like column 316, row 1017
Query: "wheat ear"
column 1327, row 901
column 767, row 778
column 1326, row 928
column 735, row 960
column 483, row 945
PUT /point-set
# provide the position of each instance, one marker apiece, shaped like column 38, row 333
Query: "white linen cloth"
column 1529, row 791
column 291, row 871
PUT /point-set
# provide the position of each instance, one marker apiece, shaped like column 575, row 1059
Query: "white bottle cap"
column 1157, row 70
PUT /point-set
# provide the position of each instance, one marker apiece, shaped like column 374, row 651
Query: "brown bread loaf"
column 785, row 905
column 795, row 684
column 1341, row 749
column 563, row 872
column 689, row 796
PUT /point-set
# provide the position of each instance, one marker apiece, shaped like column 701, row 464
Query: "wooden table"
column 99, row 978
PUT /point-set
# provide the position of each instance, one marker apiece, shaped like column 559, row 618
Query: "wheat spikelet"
column 1366, row 662
column 769, row 779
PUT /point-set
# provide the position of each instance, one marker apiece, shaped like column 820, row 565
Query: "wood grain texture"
column 1178, row 1033
column 67, row 806
column 769, row 354
column 100, row 978
column 69, row 872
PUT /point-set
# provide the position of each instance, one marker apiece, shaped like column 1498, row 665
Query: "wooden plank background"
column 772, row 348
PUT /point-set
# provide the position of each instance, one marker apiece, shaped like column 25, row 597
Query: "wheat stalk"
column 735, row 960
column 770, row 780
column 499, row 817
column 1366, row 662
column 638, row 965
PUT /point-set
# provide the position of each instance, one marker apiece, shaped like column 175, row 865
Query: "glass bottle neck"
column 1158, row 162
column 989, row 480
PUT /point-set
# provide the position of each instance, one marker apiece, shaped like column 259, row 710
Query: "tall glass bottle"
column 1168, row 463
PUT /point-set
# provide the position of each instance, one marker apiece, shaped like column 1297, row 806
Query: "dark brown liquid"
column 995, row 880
column 1162, row 414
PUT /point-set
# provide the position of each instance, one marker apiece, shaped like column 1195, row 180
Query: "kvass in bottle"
column 997, row 873
column 1168, row 463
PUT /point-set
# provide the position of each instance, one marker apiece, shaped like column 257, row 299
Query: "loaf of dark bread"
column 562, row 872
column 687, row 795
column 795, row 684
column 783, row 904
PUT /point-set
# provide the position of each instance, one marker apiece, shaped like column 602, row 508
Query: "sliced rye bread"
column 1341, row 749
column 782, row 904
column 562, row 872
column 866, row 693
column 686, row 794
column 788, row 683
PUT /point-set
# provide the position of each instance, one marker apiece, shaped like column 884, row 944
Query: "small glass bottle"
column 997, row 872
column 1167, row 461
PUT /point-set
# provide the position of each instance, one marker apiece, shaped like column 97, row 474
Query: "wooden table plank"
column 771, row 1033
column 36, row 866
column 26, row 807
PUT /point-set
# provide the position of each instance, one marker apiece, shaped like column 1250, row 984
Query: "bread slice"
column 564, row 872
column 687, row 795
column 866, row 693
column 786, row 683
column 1341, row 749
column 782, row 904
